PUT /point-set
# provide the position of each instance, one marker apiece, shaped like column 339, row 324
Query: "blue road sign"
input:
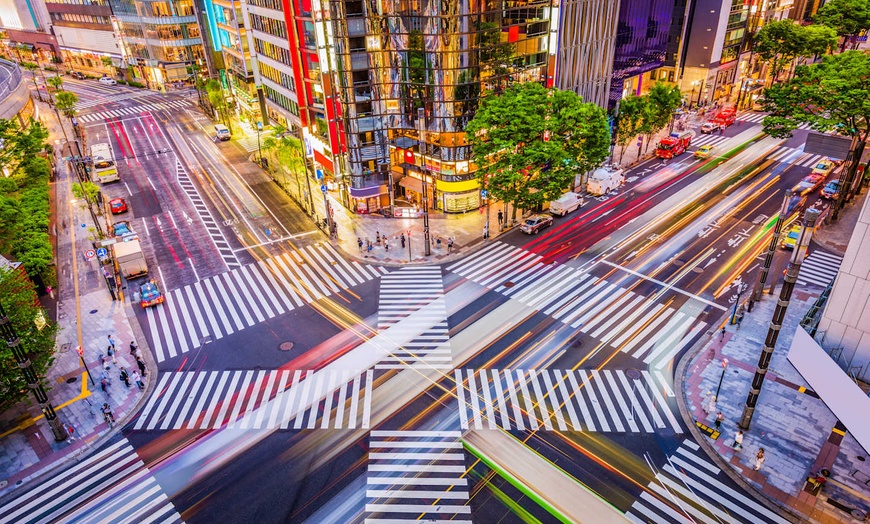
column 323, row 188
column 102, row 252
column 484, row 193
column 319, row 174
column 83, row 225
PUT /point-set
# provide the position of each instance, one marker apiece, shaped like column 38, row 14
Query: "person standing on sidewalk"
column 111, row 342
column 107, row 415
column 450, row 244
column 125, row 376
column 719, row 418
column 738, row 440
column 500, row 219
column 402, row 239
column 134, row 376
column 141, row 364
column 133, row 348
column 359, row 242
column 111, row 351
column 722, row 334
column 759, row 459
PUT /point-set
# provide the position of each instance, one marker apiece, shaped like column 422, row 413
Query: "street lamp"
column 722, row 377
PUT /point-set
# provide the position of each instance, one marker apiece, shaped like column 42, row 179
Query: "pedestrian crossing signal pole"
column 409, row 245
column 771, row 250
column 30, row 377
column 80, row 350
column 791, row 274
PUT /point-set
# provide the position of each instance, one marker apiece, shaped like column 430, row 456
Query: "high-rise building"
column 411, row 74
column 159, row 38
column 86, row 35
column 27, row 22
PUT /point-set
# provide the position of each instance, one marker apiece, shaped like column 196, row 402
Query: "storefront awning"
column 414, row 184
column 365, row 192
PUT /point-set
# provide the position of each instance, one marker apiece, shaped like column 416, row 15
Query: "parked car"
column 704, row 151
column 106, row 81
column 824, row 167
column 150, row 294
column 78, row 74
column 120, row 229
column 221, row 132
column 118, row 205
column 831, row 191
column 535, row 223
column 809, row 184
column 566, row 203
column 791, row 238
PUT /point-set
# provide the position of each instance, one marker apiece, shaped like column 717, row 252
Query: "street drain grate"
column 71, row 380
column 286, row 346
column 508, row 284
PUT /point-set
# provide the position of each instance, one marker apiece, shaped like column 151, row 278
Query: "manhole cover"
column 633, row 374
column 698, row 269
column 64, row 347
column 859, row 457
column 286, row 346
column 93, row 311
column 71, row 380
column 3, row 483
column 508, row 284
column 679, row 262
column 577, row 343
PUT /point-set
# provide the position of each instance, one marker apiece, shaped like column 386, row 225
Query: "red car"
column 118, row 205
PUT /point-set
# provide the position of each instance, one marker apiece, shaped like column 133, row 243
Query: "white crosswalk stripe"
column 416, row 476
column 591, row 305
column 690, row 488
column 112, row 485
column 819, row 268
column 170, row 105
column 782, row 153
column 220, row 241
column 710, row 139
column 250, row 144
column 84, row 104
column 564, row 400
column 751, row 116
column 413, row 298
column 259, row 399
column 810, row 161
column 248, row 296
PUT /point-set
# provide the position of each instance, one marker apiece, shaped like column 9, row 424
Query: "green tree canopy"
column 780, row 42
column 65, row 102
column 19, row 143
column 847, row 17
column 55, row 81
column 530, row 142
column 831, row 94
column 21, row 306
column 662, row 101
column 630, row 120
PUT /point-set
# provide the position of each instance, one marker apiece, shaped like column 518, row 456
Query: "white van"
column 566, row 203
column 221, row 132
column 604, row 180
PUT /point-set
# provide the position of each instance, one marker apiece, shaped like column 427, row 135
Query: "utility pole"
column 32, row 379
column 771, row 250
column 791, row 274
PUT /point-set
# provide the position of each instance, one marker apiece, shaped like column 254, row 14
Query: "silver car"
column 535, row 223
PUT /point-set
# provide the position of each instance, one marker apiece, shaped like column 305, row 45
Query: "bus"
column 104, row 169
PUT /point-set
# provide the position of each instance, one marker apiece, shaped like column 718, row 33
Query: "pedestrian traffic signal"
column 80, row 351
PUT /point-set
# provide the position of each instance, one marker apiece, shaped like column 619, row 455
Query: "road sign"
column 83, row 225
column 102, row 252
column 318, row 173
column 89, row 254
column 323, row 188
column 259, row 126
column 484, row 193
column 80, row 350
column 639, row 141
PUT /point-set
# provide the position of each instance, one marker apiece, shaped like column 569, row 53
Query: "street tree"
column 847, row 17
column 33, row 67
column 630, row 120
column 20, row 143
column 35, row 330
column 662, row 101
column 831, row 94
column 65, row 102
column 779, row 43
column 218, row 100
column 55, row 81
column 529, row 142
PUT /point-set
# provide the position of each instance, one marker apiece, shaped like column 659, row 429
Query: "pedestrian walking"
column 111, row 352
column 70, row 433
column 104, row 385
column 378, row 238
column 705, row 402
column 386, row 244
column 500, row 218
column 402, row 239
column 438, row 242
column 104, row 361
column 108, row 416
column 485, row 232
column 719, row 418
column 359, row 242
column 133, row 348
column 711, row 405
column 141, row 364
column 450, row 244
column 738, row 440
column 722, row 333
column 369, row 247
column 134, row 376
column 125, row 376
column 111, row 341
column 759, row 459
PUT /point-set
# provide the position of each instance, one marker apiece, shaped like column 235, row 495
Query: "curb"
column 679, row 380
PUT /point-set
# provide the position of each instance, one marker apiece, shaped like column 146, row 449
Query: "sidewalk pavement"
column 27, row 446
column 799, row 434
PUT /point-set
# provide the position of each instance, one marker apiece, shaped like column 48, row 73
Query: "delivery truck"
column 130, row 259
column 604, row 180
column 566, row 203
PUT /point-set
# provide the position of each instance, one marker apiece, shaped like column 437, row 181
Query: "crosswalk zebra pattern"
column 690, row 488
column 413, row 298
column 251, row 143
column 85, row 104
column 819, row 268
column 784, row 154
column 218, row 306
column 113, row 485
column 214, row 232
column 640, row 326
column 259, row 399
column 593, row 400
column 757, row 118
column 121, row 112
column 709, row 140
column 416, row 476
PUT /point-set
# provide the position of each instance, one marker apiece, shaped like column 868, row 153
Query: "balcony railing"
column 9, row 83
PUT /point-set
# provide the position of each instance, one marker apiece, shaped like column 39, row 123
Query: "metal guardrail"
column 11, row 82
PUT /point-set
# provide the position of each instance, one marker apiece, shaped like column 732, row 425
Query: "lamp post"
column 741, row 287
column 771, row 250
column 259, row 149
column 31, row 378
column 424, row 126
column 722, row 377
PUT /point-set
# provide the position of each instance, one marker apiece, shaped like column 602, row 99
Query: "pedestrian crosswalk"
column 795, row 156
column 690, row 488
column 416, row 476
column 251, row 143
column 223, row 247
column 412, row 304
column 565, row 400
column 709, row 140
column 121, row 112
column 113, row 485
column 85, row 104
column 819, row 268
column 638, row 325
column 212, row 308
column 756, row 117
column 259, row 399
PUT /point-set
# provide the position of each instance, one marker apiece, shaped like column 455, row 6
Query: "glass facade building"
column 410, row 75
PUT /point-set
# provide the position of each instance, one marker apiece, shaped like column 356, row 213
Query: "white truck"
column 566, row 203
column 130, row 259
column 604, row 180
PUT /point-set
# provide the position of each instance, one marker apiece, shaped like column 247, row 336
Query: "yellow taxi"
column 704, row 151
